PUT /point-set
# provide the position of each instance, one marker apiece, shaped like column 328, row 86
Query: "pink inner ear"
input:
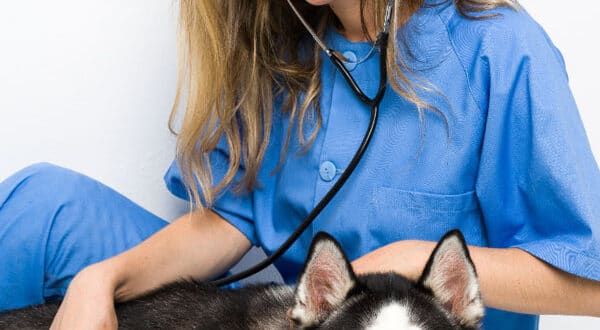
column 454, row 277
column 325, row 281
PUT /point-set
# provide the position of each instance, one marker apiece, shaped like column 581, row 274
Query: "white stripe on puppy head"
column 393, row 317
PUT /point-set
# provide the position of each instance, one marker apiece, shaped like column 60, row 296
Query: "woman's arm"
column 199, row 245
column 511, row 279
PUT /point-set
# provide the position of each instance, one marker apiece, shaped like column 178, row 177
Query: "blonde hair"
column 237, row 56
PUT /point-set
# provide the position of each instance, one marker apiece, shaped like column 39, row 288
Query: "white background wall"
column 89, row 84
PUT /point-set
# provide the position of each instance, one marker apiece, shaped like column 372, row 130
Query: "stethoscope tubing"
column 374, row 104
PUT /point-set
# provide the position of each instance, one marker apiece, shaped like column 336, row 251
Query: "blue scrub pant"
column 53, row 223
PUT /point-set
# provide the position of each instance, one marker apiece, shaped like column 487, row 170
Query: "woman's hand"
column 407, row 258
column 183, row 249
column 511, row 279
column 88, row 303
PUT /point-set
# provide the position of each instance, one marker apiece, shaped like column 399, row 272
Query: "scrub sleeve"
column 237, row 209
column 53, row 223
column 537, row 182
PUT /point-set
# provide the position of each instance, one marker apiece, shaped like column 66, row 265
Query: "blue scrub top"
column 516, row 169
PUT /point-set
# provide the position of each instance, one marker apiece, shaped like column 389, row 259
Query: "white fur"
column 393, row 317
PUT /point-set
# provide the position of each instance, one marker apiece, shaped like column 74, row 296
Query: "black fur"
column 375, row 290
column 203, row 306
column 183, row 305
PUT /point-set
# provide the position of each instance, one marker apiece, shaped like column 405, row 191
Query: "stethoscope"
column 374, row 102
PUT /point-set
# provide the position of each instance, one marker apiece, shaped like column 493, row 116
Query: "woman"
column 477, row 131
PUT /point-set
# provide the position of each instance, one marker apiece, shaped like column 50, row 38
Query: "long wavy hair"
column 237, row 56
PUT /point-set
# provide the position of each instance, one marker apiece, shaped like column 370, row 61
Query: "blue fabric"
column 515, row 170
column 54, row 222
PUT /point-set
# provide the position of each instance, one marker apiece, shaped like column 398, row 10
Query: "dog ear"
column 451, row 276
column 324, row 283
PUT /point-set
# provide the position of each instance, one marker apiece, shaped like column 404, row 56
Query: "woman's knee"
column 52, row 176
column 45, row 183
column 41, row 170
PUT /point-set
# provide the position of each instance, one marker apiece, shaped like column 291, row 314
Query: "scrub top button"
column 327, row 171
column 352, row 59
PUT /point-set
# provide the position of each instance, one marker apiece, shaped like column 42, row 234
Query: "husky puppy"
column 328, row 295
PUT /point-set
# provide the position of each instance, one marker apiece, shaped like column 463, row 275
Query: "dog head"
column 330, row 295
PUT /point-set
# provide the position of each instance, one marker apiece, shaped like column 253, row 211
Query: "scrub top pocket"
column 400, row 214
